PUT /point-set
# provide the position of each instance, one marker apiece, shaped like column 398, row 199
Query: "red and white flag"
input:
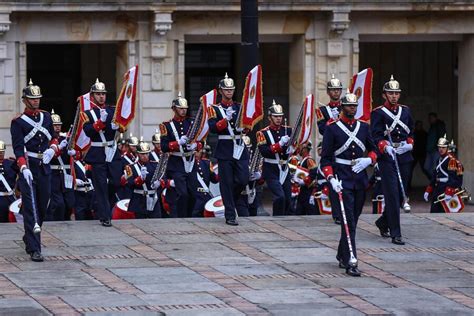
column 85, row 102
column 82, row 141
column 252, row 100
column 207, row 101
column 361, row 86
column 454, row 205
column 324, row 205
column 307, row 120
column 126, row 103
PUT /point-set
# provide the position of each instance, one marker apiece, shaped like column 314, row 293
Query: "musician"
column 446, row 179
column 156, row 152
column 181, row 161
column 330, row 111
column 308, row 164
column 130, row 156
column 231, row 153
column 34, row 147
column 399, row 121
column 139, row 176
column 202, row 177
column 8, row 174
column 273, row 142
column 343, row 162
column 375, row 182
column 83, row 191
column 122, row 145
column 103, row 155
column 62, row 200
column 321, row 190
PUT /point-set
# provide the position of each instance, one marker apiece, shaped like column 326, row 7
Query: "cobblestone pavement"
column 281, row 266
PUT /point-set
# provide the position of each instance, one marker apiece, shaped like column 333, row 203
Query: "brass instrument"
column 463, row 194
column 256, row 161
column 160, row 168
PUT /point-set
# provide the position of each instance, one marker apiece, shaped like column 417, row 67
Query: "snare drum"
column 120, row 210
column 214, row 208
column 14, row 215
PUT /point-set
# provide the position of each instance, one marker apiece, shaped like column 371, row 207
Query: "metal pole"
column 249, row 38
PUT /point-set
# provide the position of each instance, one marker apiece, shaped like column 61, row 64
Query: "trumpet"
column 463, row 194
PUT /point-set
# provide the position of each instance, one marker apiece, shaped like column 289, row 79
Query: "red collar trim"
column 347, row 120
column 274, row 127
column 334, row 104
column 227, row 103
column 389, row 106
column 28, row 111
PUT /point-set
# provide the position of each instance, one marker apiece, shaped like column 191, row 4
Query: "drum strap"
column 188, row 164
column 110, row 149
column 283, row 173
column 439, row 167
column 5, row 183
column 203, row 184
column 155, row 156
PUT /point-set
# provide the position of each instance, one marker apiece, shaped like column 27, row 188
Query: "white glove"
column 71, row 152
column 284, row 140
column 155, row 185
column 403, row 148
column 311, row 200
column 183, row 140
column 48, row 155
column 80, row 183
column 336, row 185
column 192, row 146
column 290, row 150
column 172, row 183
column 114, row 126
column 298, row 180
column 143, row 172
column 103, row 115
column 391, row 151
column 361, row 164
column 335, row 112
column 63, row 144
column 228, row 113
column 27, row 175
column 447, row 198
column 426, row 196
column 323, row 197
column 239, row 129
column 255, row 176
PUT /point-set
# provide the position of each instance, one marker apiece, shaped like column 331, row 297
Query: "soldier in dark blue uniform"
column 8, row 175
column 156, row 151
column 343, row 162
column 103, row 155
column 129, row 157
column 326, row 113
column 399, row 121
column 202, row 177
column 273, row 143
column 181, row 160
column 446, row 179
column 34, row 147
column 83, row 191
column 231, row 153
column 306, row 182
column 144, row 201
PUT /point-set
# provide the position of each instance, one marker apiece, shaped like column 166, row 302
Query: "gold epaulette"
column 452, row 164
column 128, row 172
column 261, row 140
column 319, row 114
column 212, row 112
column 163, row 129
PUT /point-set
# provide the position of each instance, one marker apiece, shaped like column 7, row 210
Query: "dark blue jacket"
column 138, row 201
column 169, row 143
column 270, row 151
column 323, row 116
column 9, row 170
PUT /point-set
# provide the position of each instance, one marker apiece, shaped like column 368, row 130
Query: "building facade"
column 187, row 46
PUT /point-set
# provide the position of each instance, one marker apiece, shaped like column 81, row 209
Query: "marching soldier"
column 203, row 175
column 8, row 174
column 181, row 161
column 330, row 111
column 400, row 125
column 144, row 201
column 446, row 179
column 307, row 163
column 156, row 152
column 103, row 155
column 343, row 163
column 273, row 143
column 231, row 153
column 83, row 191
column 122, row 144
column 130, row 156
column 34, row 147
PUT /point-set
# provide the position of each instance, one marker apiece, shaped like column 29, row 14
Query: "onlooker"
column 436, row 131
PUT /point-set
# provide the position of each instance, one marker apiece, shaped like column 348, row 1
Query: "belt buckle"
column 145, row 193
column 104, row 144
column 40, row 156
column 281, row 162
column 353, row 162
column 232, row 137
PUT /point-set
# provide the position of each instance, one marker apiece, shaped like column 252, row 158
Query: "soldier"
column 139, row 176
column 331, row 111
column 231, row 153
column 399, row 121
column 130, row 156
column 181, row 160
column 103, row 155
column 156, row 152
column 83, row 191
column 343, row 163
column 122, row 144
column 8, row 172
column 203, row 175
column 34, row 147
column 273, row 142
column 307, row 163
column 446, row 179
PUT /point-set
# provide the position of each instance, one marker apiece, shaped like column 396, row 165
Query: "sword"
column 36, row 227
column 353, row 259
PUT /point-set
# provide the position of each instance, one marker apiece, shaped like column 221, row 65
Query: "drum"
column 120, row 210
column 14, row 215
column 214, row 208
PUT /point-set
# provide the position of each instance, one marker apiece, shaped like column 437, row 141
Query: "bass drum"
column 214, row 208
column 14, row 215
column 120, row 210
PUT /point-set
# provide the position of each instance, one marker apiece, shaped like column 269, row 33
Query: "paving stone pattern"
column 265, row 266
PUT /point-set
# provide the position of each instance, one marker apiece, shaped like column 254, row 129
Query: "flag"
column 454, row 205
column 81, row 140
column 85, row 102
column 126, row 104
column 307, row 119
column 207, row 101
column 324, row 205
column 361, row 86
column 252, row 101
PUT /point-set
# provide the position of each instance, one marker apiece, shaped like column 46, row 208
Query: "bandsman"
column 326, row 113
column 203, row 175
column 306, row 166
column 83, row 192
column 156, row 151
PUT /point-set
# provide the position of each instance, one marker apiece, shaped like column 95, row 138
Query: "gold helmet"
column 180, row 102
column 156, row 138
column 206, row 149
column 247, row 141
column 334, row 83
column 443, row 142
column 31, row 91
column 3, row 147
column 349, row 99
column 392, row 85
column 143, row 148
column 226, row 83
column 122, row 140
column 98, row 87
column 56, row 118
column 275, row 109
column 133, row 141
